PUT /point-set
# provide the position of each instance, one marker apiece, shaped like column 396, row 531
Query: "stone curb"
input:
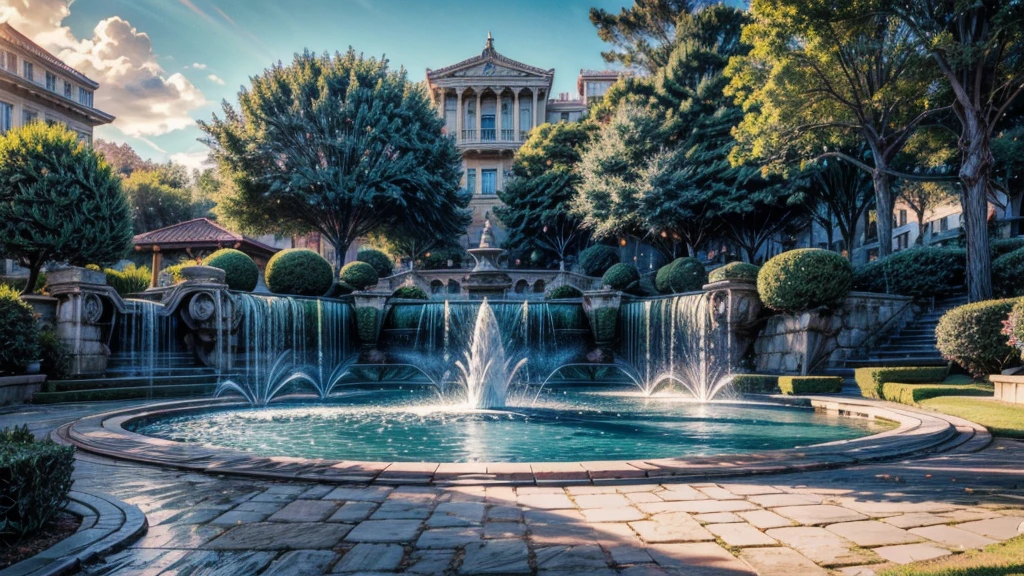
column 919, row 432
column 108, row 525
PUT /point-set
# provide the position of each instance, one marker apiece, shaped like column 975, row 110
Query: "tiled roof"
column 198, row 232
column 7, row 32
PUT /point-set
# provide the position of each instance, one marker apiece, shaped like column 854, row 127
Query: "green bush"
column 563, row 291
column 240, row 272
column 300, row 272
column 383, row 264
column 999, row 246
column 35, row 477
column 755, row 383
column 56, row 356
column 919, row 272
column 597, row 259
column 366, row 324
column 1008, row 274
column 358, row 275
column 971, row 335
column 681, row 275
column 804, row 279
column 791, row 385
column 737, row 271
column 18, row 283
column 410, row 293
column 914, row 393
column 132, row 280
column 871, row 380
column 621, row 277
column 16, row 435
column 19, row 333
column 438, row 259
column 174, row 270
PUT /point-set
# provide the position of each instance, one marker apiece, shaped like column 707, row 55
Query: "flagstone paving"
column 850, row 521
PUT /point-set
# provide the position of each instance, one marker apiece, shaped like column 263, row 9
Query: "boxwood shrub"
column 240, row 272
column 19, row 333
column 971, row 335
column 871, row 380
column 804, row 279
column 56, row 356
column 410, row 293
column 791, row 385
column 921, row 272
column 299, row 271
column 736, row 271
column 597, row 259
column 914, row 393
column 621, row 277
column 1008, row 274
column 999, row 246
column 132, row 280
column 358, row 275
column 563, row 291
column 755, row 383
column 382, row 264
column 35, row 477
column 681, row 275
column 174, row 270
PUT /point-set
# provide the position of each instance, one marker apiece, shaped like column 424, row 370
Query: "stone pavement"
column 846, row 521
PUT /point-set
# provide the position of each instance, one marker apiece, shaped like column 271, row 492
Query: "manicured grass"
column 1001, row 418
column 1001, row 559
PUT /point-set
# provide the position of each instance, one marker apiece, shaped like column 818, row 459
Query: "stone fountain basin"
column 917, row 432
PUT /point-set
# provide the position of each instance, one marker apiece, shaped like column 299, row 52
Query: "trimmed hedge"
column 299, row 271
column 563, row 291
column 382, row 264
column 914, row 393
column 1008, row 273
column 621, row 277
column 132, row 280
column 871, row 380
column 921, row 272
column 597, row 259
column 999, row 246
column 791, row 385
column 35, row 477
column 737, row 271
column 410, row 293
column 755, row 383
column 971, row 335
column 56, row 356
column 681, row 275
column 358, row 275
column 19, row 333
column 240, row 272
column 174, row 271
column 804, row 279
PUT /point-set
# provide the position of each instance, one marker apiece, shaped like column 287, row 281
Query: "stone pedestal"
column 370, row 309
column 602, row 310
column 85, row 312
column 45, row 308
column 735, row 308
column 1008, row 388
column 206, row 306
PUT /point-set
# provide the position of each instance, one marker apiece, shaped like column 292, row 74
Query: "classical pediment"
column 489, row 63
column 489, row 69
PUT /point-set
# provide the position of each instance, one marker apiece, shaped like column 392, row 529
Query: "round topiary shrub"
column 300, row 272
column 1007, row 274
column 382, row 264
column 735, row 271
column 358, row 275
column 804, row 279
column 240, row 272
column 620, row 277
column 563, row 291
column 687, row 275
column 597, row 259
column 999, row 246
column 922, row 272
column 19, row 334
column 972, row 336
column 410, row 293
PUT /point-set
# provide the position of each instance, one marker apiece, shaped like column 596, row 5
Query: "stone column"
column 734, row 308
column 86, row 308
column 515, row 115
column 602, row 309
column 458, row 112
column 479, row 115
column 440, row 101
column 207, row 309
column 533, row 111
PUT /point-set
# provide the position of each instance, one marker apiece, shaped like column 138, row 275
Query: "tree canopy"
column 340, row 145
column 642, row 35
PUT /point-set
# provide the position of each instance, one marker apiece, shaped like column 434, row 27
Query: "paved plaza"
column 848, row 521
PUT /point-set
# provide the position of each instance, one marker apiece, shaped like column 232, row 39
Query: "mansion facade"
column 490, row 103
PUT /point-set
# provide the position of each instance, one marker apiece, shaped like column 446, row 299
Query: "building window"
column 903, row 241
column 28, row 116
column 471, row 180
column 902, row 218
column 67, row 90
column 487, row 127
column 85, row 97
column 8, row 61
column 489, row 181
column 564, row 117
column 6, row 111
column 28, row 71
column 85, row 138
column 51, row 81
column 943, row 224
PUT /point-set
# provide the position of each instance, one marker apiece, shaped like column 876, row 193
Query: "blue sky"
column 234, row 39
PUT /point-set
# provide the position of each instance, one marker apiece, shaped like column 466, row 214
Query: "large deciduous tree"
column 978, row 47
column 924, row 197
column 340, row 145
column 839, row 194
column 642, row 35
column 59, row 201
column 536, row 211
column 155, row 203
column 823, row 75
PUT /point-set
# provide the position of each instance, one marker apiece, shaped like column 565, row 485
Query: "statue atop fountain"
column 487, row 280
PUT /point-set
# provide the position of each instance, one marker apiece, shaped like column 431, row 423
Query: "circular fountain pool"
column 562, row 426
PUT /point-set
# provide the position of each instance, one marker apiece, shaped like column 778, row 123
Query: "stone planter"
column 45, row 308
column 370, row 310
column 1008, row 388
column 86, row 308
column 735, row 309
column 208, row 310
column 18, row 389
column 602, row 310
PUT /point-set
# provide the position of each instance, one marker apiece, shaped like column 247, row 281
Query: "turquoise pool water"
column 563, row 426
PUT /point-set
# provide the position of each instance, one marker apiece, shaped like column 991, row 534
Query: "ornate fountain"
column 487, row 279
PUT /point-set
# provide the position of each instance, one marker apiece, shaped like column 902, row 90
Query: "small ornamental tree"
column 240, row 272
column 59, row 201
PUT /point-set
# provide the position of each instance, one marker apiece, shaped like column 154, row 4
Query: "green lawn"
column 1001, row 418
column 1004, row 559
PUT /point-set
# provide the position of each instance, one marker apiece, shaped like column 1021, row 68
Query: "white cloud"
column 197, row 66
column 216, row 79
column 192, row 160
column 133, row 86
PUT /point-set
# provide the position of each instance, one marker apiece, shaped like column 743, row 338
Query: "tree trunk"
column 977, row 161
column 920, row 229
column 884, row 204
column 33, row 276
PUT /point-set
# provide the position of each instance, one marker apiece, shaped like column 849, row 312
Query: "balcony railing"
column 492, row 135
column 487, row 134
column 508, row 135
column 469, row 135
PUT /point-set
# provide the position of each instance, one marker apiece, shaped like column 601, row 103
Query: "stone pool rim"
column 917, row 432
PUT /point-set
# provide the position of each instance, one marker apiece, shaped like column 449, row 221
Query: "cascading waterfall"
column 143, row 340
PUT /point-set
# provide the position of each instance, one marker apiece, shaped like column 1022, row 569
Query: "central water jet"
column 486, row 374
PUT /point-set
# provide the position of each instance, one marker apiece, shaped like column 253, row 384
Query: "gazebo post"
column 156, row 267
